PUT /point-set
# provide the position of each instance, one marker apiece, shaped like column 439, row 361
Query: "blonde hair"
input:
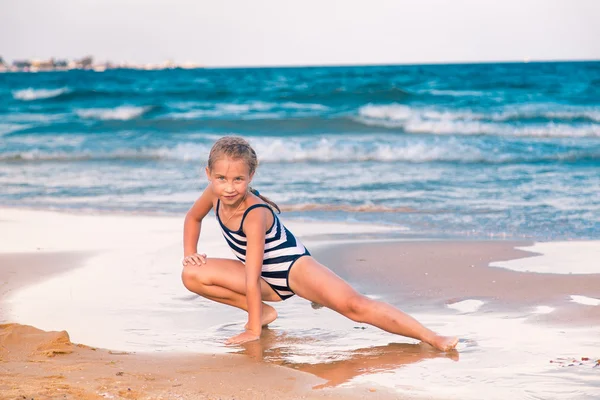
column 238, row 148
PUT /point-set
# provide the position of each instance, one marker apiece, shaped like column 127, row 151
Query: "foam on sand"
column 466, row 306
column 543, row 310
column 588, row 301
column 579, row 257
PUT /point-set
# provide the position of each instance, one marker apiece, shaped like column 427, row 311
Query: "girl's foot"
column 268, row 315
column 444, row 343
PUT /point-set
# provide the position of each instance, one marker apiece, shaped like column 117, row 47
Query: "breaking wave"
column 535, row 121
column 30, row 94
column 122, row 113
column 325, row 151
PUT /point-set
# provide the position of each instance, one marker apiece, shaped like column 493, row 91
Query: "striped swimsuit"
column 282, row 250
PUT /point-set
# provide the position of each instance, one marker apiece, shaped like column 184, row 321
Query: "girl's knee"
column 193, row 277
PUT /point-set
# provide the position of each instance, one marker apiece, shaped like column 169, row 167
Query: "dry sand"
column 45, row 365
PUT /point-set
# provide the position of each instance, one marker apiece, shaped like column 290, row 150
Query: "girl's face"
column 230, row 179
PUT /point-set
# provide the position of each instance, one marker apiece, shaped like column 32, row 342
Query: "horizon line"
column 428, row 63
column 333, row 65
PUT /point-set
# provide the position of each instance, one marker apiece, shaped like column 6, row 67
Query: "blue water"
column 509, row 150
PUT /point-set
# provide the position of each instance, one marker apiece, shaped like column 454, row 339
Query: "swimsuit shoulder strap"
column 252, row 207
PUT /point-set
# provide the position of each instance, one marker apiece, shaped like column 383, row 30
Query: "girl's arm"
column 255, row 226
column 193, row 223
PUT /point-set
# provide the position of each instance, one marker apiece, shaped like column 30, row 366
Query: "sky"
column 307, row 32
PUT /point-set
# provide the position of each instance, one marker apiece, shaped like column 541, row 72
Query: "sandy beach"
column 110, row 319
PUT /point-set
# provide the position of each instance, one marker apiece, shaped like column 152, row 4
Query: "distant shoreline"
column 191, row 66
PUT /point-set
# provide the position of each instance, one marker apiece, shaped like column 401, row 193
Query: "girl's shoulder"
column 257, row 212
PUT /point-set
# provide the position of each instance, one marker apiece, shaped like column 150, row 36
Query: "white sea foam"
column 274, row 150
column 588, row 301
column 122, row 113
column 466, row 306
column 549, row 111
column 254, row 109
column 278, row 150
column 543, row 310
column 37, row 94
column 46, row 141
column 577, row 257
column 8, row 128
column 455, row 93
column 465, row 122
column 304, row 106
column 235, row 108
column 391, row 112
column 327, row 150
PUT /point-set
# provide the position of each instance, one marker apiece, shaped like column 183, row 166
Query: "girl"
column 273, row 264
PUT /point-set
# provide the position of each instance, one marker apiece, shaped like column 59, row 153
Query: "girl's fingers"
column 194, row 259
column 198, row 259
column 188, row 260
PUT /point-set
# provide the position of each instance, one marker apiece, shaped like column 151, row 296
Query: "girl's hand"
column 194, row 259
column 243, row 337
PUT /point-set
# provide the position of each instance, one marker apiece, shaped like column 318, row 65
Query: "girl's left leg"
column 314, row 282
column 224, row 281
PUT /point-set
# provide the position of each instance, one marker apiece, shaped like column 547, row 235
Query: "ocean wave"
column 122, row 113
column 550, row 130
column 280, row 151
column 343, row 96
column 455, row 93
column 547, row 112
column 6, row 128
column 466, row 122
column 551, row 112
column 30, row 94
column 248, row 110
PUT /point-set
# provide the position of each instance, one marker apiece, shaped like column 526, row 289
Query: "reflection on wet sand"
column 340, row 366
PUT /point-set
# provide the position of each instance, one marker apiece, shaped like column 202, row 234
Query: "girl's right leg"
column 314, row 282
column 224, row 281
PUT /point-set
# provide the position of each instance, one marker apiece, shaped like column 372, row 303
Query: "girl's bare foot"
column 268, row 315
column 444, row 343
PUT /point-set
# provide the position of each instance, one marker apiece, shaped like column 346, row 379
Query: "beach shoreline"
column 424, row 277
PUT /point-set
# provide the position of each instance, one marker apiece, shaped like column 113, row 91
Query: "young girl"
column 273, row 264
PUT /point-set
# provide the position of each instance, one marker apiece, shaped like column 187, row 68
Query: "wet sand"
column 425, row 274
column 309, row 353
column 21, row 269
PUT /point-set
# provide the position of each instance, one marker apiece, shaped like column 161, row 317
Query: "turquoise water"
column 509, row 150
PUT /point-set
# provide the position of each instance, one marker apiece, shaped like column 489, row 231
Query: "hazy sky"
column 306, row 32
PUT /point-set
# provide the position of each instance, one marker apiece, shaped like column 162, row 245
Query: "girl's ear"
column 207, row 174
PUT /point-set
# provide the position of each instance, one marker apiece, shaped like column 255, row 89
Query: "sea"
column 507, row 150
